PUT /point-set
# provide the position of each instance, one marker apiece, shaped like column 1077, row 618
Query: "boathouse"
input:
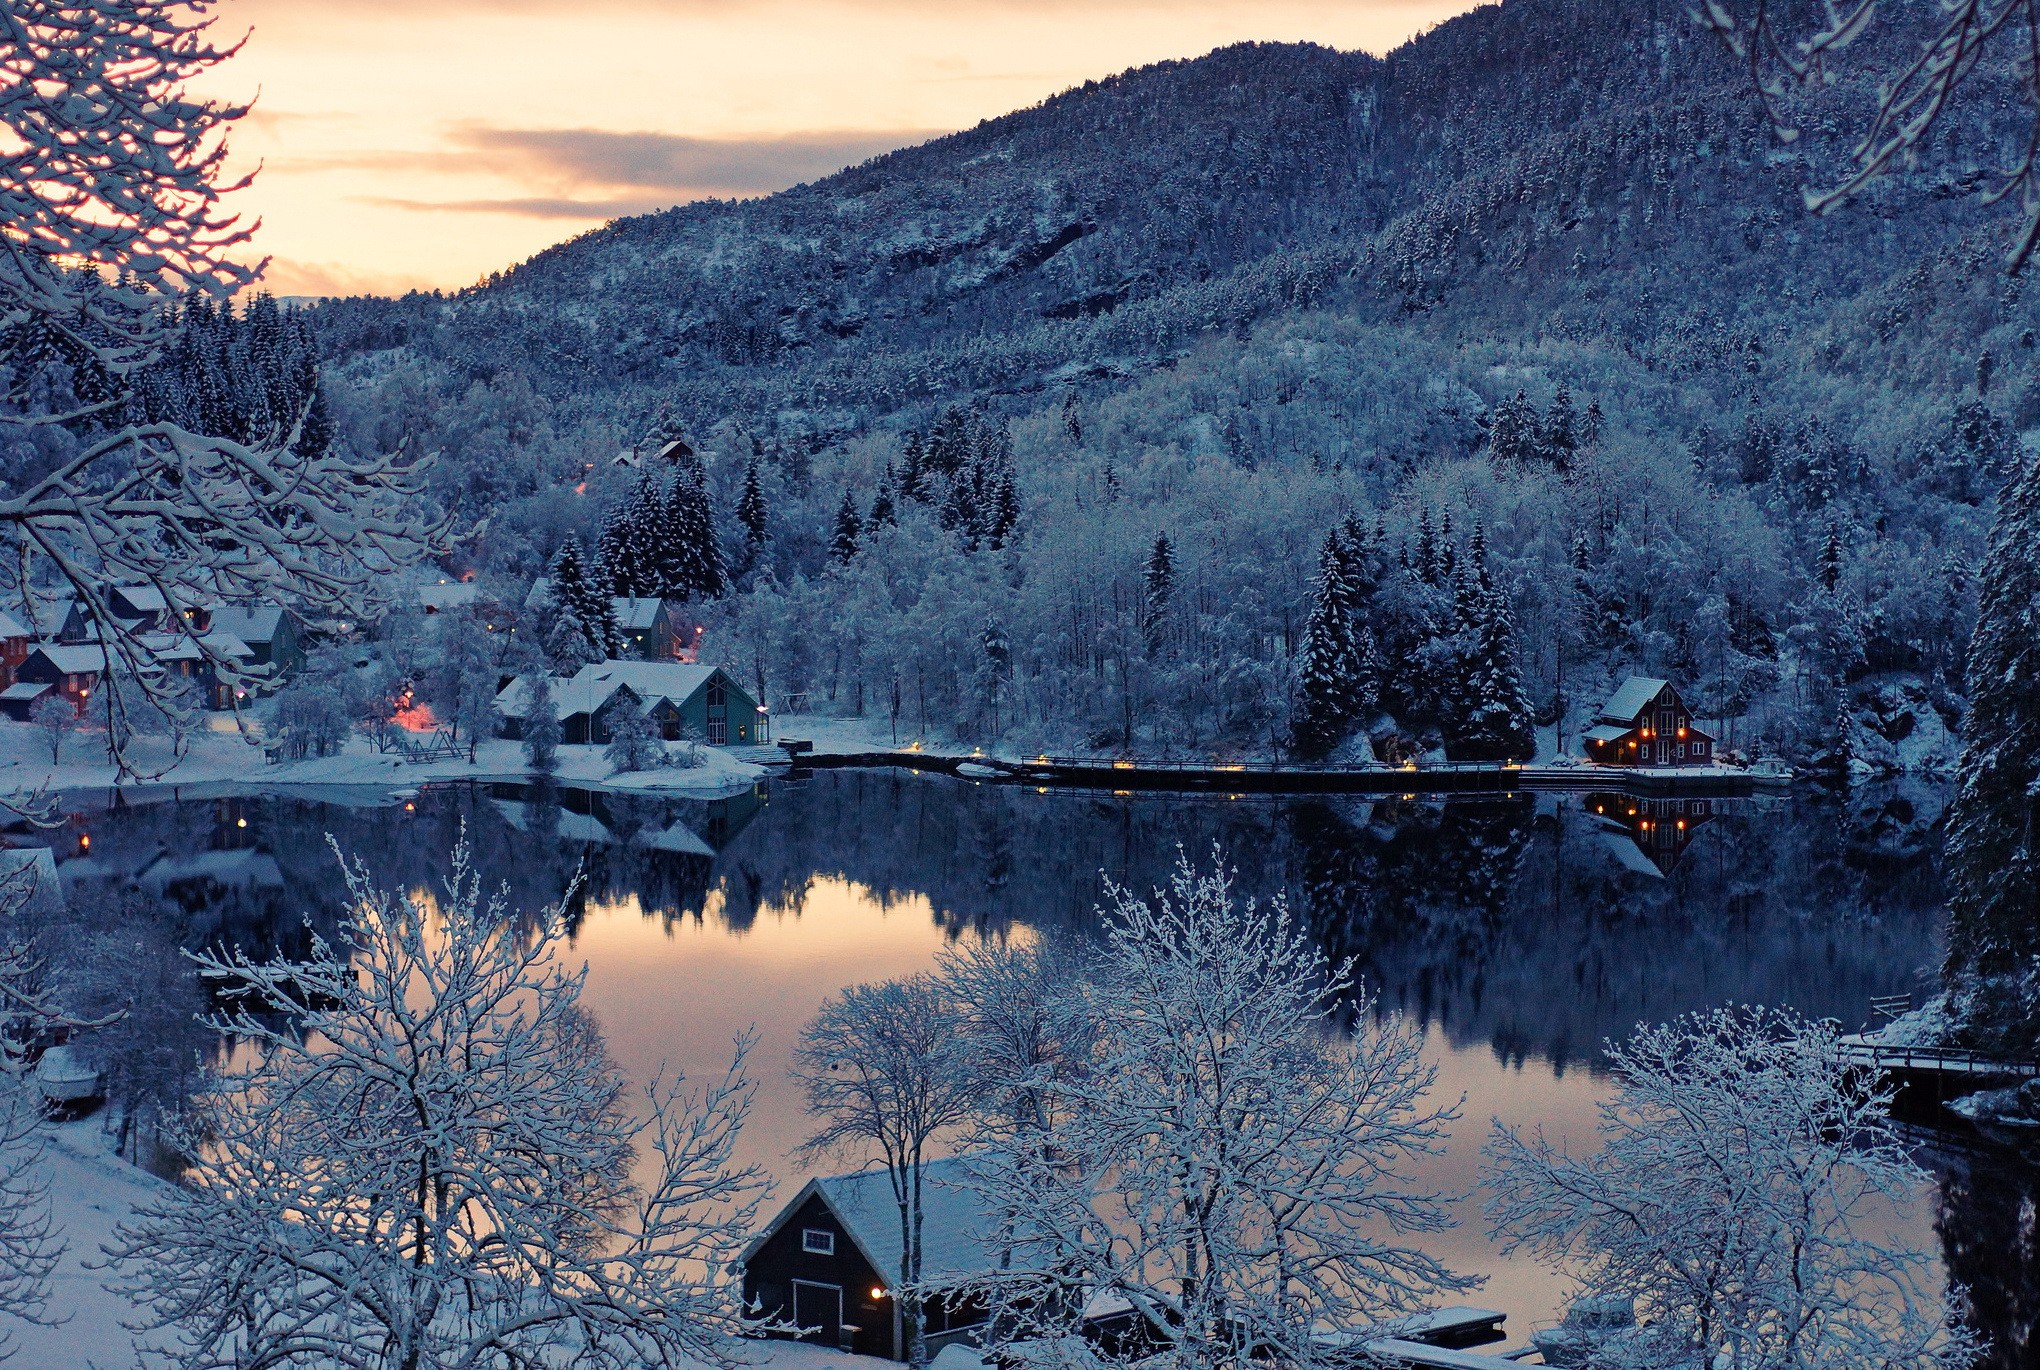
column 1645, row 723
column 829, row 1261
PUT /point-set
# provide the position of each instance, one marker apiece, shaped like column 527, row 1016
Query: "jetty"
column 1942, row 1072
column 1125, row 776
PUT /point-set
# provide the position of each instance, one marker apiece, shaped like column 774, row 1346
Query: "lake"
column 1521, row 931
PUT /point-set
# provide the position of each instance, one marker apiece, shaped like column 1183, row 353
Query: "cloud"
column 284, row 277
column 678, row 164
column 527, row 207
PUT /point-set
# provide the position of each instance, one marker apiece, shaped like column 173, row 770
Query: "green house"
column 683, row 699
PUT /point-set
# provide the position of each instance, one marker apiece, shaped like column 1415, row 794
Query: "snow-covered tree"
column 1993, row 843
column 1225, row 1159
column 695, row 554
column 541, row 723
column 1742, row 1170
column 111, row 190
column 880, row 1065
column 583, row 621
column 849, row 528
column 55, row 718
column 751, row 516
column 426, row 1159
column 1158, row 582
column 633, row 743
column 1512, row 431
column 1334, row 691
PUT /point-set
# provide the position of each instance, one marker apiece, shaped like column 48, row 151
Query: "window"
column 816, row 1240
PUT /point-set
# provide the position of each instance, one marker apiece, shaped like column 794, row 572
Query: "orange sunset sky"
column 427, row 142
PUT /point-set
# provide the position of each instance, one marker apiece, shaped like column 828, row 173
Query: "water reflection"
column 1522, row 929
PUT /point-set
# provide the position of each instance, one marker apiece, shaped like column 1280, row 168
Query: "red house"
column 1645, row 723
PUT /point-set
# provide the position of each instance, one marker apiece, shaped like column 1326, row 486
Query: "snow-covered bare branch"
column 428, row 1160
column 1742, row 1165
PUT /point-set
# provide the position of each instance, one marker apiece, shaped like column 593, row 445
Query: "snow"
column 221, row 760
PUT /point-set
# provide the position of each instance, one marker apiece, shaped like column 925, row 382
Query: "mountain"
column 1325, row 270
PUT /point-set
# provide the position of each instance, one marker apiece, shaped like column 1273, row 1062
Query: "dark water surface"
column 1521, row 931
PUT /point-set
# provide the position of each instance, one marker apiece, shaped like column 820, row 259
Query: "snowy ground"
column 92, row 1191
column 221, row 759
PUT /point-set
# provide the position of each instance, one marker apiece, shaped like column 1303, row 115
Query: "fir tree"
column 1591, row 424
column 1560, row 439
column 541, row 723
column 1494, row 720
column 1993, row 844
column 697, row 559
column 1333, row 693
column 884, row 512
column 849, row 528
column 913, row 469
column 1160, row 582
column 751, row 515
column 1512, row 431
column 1829, row 568
column 1072, row 425
column 635, row 543
column 584, row 621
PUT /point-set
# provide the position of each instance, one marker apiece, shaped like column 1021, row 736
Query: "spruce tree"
column 1560, row 439
column 884, row 511
column 849, row 528
column 1829, row 568
column 580, row 600
column 913, row 469
column 1512, row 431
column 1591, row 424
column 1993, row 842
column 635, row 543
column 1160, row 581
column 699, row 571
column 1332, row 697
column 751, row 515
column 1497, row 723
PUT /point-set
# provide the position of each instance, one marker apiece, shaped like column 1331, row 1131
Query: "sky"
column 425, row 143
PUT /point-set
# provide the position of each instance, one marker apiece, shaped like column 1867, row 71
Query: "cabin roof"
column 27, row 689
column 635, row 614
column 10, row 626
column 1608, row 732
column 72, row 660
column 674, row 680
column 1633, row 698
column 145, row 599
column 953, row 1219
column 248, row 622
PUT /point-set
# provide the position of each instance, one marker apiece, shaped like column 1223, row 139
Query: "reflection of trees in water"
column 1990, row 1242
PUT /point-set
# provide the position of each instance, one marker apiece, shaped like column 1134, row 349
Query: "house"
column 145, row 609
column 18, row 700
column 448, row 594
column 1645, row 723
column 183, row 656
column 829, row 1260
column 272, row 635
column 14, row 641
column 73, row 670
column 648, row 623
column 682, row 699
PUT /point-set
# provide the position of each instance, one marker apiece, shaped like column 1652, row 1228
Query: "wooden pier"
column 1942, row 1072
column 1268, row 777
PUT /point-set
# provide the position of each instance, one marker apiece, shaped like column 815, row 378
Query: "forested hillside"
column 1041, row 433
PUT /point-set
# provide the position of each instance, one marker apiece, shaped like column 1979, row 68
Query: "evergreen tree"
column 635, row 543
column 696, row 556
column 1993, row 844
column 849, row 528
column 1512, row 431
column 1160, row 582
column 1333, row 693
column 751, row 515
column 884, row 512
column 1497, row 723
column 541, row 723
column 1829, row 569
column 1072, row 425
column 1591, row 424
column 1560, row 439
column 913, row 469
column 584, row 621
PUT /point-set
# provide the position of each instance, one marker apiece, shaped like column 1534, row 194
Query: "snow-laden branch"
column 429, row 1161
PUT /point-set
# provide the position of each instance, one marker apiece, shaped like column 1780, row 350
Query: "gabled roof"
column 27, row 689
column 248, row 622
column 71, row 660
column 181, row 647
column 1632, row 699
column 651, row 680
column 10, row 626
column 144, row 599
column 1608, row 732
column 953, row 1243
column 570, row 697
column 541, row 593
column 635, row 615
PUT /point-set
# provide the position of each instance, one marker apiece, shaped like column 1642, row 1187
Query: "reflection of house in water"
column 1648, row 835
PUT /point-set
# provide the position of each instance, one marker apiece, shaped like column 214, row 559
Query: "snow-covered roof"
column 78, row 660
column 180, row 647
column 1607, row 732
column 679, row 839
column 570, row 697
column 10, row 626
column 1632, row 699
column 565, row 823
column 145, row 599
column 651, row 680
column 540, row 595
column 1628, row 853
column 636, row 614
column 250, row 622
column 27, row 689
column 448, row 594
column 953, row 1220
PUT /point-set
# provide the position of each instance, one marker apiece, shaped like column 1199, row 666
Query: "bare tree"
column 1741, row 1159
column 1969, row 37
column 56, row 719
column 111, row 186
column 1227, row 1162
column 882, row 1068
column 431, row 1166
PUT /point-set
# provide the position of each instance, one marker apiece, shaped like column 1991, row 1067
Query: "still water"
column 1521, row 931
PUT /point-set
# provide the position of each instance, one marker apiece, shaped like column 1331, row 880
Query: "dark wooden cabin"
column 828, row 1262
column 1645, row 723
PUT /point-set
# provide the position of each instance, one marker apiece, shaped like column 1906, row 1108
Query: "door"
column 819, row 1307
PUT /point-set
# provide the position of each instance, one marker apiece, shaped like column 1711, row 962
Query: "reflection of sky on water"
column 1509, row 926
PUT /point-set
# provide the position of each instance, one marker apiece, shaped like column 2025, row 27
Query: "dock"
column 1270, row 777
column 1946, row 1072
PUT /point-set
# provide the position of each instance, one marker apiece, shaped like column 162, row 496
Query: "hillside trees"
column 1993, row 843
column 433, row 1164
column 112, row 191
column 583, row 621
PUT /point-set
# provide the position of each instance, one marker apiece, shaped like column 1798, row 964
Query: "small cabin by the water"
column 680, row 699
column 829, row 1261
column 1645, row 723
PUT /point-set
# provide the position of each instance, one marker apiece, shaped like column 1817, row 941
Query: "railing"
column 1943, row 1060
column 1110, row 763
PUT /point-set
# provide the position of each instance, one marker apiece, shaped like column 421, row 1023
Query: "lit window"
column 816, row 1240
